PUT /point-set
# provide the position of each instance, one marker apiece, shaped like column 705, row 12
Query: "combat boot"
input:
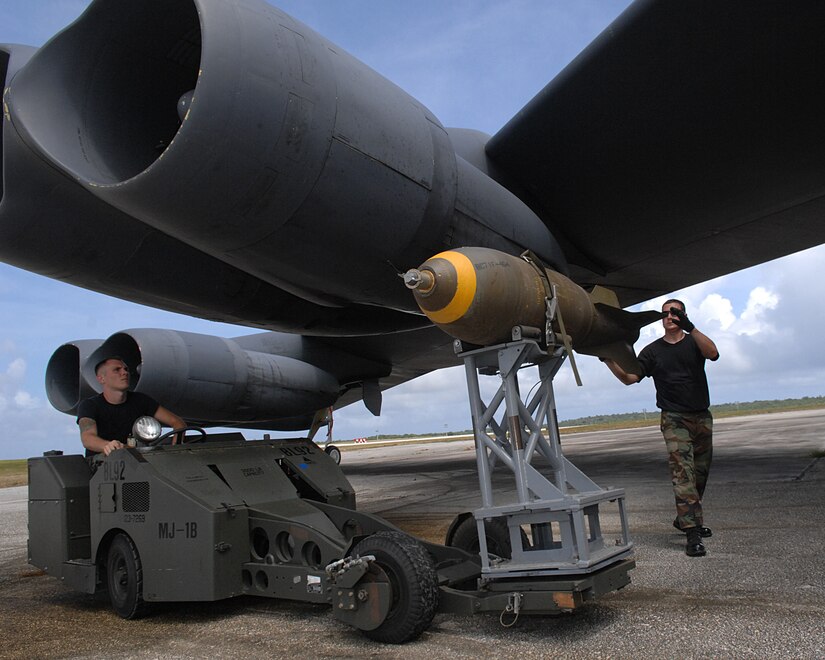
column 704, row 532
column 694, row 547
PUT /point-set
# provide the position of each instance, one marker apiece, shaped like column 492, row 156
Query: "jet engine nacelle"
column 204, row 379
column 243, row 134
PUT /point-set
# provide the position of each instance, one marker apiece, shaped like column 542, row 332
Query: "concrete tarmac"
column 759, row 593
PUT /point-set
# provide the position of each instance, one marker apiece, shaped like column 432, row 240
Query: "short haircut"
column 677, row 301
column 105, row 360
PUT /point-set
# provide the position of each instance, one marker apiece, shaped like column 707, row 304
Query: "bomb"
column 478, row 295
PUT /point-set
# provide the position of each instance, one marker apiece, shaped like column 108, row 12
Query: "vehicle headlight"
column 146, row 429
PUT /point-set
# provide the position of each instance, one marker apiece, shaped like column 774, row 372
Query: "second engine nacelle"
column 204, row 379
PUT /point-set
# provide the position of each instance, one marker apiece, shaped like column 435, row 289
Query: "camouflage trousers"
column 689, row 442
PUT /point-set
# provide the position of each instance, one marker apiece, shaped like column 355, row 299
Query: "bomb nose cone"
column 447, row 288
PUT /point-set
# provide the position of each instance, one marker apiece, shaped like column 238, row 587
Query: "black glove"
column 682, row 320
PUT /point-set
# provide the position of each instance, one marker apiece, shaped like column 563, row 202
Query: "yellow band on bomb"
column 465, row 288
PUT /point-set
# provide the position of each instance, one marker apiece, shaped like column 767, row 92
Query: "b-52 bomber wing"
column 684, row 143
column 223, row 160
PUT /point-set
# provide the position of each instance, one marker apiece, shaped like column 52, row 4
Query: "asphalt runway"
column 759, row 593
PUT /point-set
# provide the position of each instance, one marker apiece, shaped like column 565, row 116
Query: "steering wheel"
column 183, row 441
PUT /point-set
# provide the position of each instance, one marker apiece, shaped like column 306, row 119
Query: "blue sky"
column 474, row 64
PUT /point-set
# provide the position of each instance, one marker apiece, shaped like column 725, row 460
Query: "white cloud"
column 25, row 400
column 13, row 397
column 15, row 371
column 30, row 425
column 753, row 320
column 716, row 308
column 735, row 356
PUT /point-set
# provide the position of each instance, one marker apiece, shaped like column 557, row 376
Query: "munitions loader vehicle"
column 219, row 516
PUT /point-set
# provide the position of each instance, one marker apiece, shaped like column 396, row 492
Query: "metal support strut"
column 554, row 521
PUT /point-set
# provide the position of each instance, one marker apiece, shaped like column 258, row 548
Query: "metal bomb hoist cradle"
column 553, row 523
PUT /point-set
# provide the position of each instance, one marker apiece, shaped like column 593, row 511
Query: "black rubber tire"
column 124, row 578
column 334, row 453
column 411, row 573
column 465, row 537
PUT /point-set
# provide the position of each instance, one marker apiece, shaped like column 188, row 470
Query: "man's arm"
column 92, row 441
column 168, row 418
column 705, row 345
column 621, row 374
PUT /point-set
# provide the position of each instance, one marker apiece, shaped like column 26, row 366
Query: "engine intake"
column 66, row 384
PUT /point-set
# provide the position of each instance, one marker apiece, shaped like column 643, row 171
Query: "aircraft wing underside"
column 684, row 143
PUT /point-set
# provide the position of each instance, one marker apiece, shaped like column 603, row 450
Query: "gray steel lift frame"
column 554, row 523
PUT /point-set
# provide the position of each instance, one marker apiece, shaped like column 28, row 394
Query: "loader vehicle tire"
column 124, row 577
column 403, row 562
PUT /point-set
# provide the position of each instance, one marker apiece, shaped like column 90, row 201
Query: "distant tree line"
column 720, row 410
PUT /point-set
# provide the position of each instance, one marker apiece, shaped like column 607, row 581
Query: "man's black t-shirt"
column 678, row 372
column 114, row 422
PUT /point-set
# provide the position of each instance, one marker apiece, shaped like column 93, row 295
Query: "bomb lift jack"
column 552, row 525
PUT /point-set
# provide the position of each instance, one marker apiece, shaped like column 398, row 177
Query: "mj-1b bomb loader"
column 221, row 516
